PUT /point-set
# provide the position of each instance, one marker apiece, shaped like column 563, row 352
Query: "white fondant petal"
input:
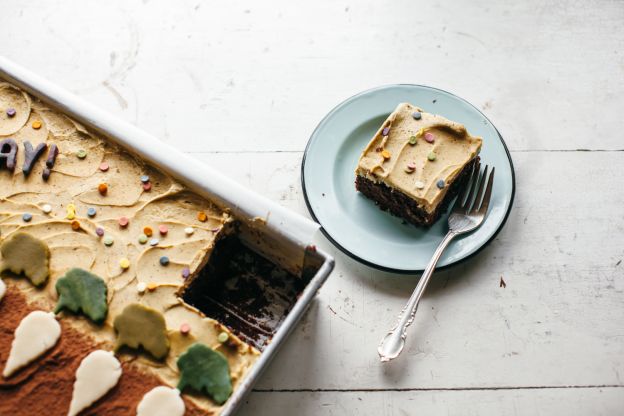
column 97, row 374
column 161, row 401
column 38, row 332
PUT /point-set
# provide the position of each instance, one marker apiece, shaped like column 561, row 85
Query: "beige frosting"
column 75, row 181
column 452, row 145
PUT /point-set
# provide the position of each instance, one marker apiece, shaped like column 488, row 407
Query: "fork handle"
column 392, row 344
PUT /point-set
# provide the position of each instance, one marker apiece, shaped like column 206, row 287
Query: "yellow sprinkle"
column 124, row 263
column 151, row 286
column 36, row 125
column 385, row 154
column 71, row 211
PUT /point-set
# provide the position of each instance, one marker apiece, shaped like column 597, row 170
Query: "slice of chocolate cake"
column 416, row 164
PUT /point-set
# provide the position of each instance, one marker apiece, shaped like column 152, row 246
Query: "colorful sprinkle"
column 148, row 231
column 385, row 131
column 223, row 337
column 429, row 137
column 440, row 184
column 419, row 185
column 147, row 187
column 162, row 229
column 189, row 230
column 75, row 225
column 145, row 178
column 11, row 112
column 141, row 287
column 123, row 222
column 91, row 212
column 154, row 242
column 27, row 217
column 201, row 216
column 151, row 286
column 413, row 140
column 124, row 263
column 431, row 156
column 410, row 168
column 81, row 154
column 104, row 167
column 71, row 211
column 164, row 261
column 142, row 239
column 100, row 232
column 385, row 154
column 186, row 272
column 46, row 208
column 185, row 329
column 108, row 240
column 36, row 125
column 102, row 188
column 416, row 115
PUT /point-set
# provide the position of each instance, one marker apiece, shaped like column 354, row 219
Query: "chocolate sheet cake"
column 416, row 164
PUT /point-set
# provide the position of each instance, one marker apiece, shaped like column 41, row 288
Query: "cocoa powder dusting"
column 45, row 386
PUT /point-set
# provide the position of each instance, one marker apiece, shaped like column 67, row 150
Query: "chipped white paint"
column 97, row 373
column 242, row 86
column 36, row 333
column 161, row 401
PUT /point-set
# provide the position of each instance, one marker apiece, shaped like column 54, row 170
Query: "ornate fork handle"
column 392, row 344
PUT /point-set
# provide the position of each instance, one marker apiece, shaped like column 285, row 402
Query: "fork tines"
column 473, row 200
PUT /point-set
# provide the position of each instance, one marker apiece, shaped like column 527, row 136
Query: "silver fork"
column 468, row 213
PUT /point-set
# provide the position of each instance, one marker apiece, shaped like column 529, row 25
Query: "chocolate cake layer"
column 401, row 205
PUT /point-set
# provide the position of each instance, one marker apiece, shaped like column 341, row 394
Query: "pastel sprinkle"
column 385, row 154
column 416, row 115
column 81, row 154
column 189, row 230
column 141, row 287
column 148, row 231
column 385, row 131
column 47, row 208
column 186, row 272
column 27, row 217
column 201, row 216
column 162, row 228
column 147, row 186
column 104, row 166
column 99, row 231
column 440, row 184
column 142, row 239
column 154, row 242
column 124, row 263
column 71, row 211
column 36, row 125
column 108, row 240
column 10, row 112
column 164, row 260
column 102, row 188
column 91, row 212
column 419, row 185
column 75, row 225
column 145, row 178
column 410, row 168
column 185, row 329
column 123, row 222
column 431, row 156
column 223, row 337
column 429, row 137
column 413, row 140
column 151, row 286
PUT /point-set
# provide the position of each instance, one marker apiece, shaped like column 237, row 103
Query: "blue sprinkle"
column 164, row 260
column 144, row 178
column 440, row 184
column 416, row 115
column 91, row 212
column 27, row 217
column 385, row 131
column 154, row 242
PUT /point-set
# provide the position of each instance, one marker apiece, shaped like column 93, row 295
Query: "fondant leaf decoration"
column 205, row 370
column 81, row 291
column 141, row 326
column 23, row 253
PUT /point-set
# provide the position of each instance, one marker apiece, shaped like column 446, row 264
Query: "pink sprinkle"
column 123, row 221
column 185, row 329
column 147, row 186
column 99, row 231
column 429, row 137
column 163, row 229
column 186, row 272
column 104, row 166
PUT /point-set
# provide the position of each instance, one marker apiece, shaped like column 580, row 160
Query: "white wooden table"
column 242, row 84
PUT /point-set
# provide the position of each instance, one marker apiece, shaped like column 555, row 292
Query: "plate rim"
column 390, row 269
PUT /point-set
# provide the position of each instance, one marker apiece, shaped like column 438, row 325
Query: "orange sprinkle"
column 201, row 215
column 75, row 225
column 151, row 286
column 385, row 154
column 102, row 188
column 36, row 125
column 148, row 231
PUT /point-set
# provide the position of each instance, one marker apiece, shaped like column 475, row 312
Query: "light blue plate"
column 352, row 222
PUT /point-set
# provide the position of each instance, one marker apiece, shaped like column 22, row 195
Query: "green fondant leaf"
column 79, row 291
column 207, row 371
column 23, row 253
column 141, row 326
